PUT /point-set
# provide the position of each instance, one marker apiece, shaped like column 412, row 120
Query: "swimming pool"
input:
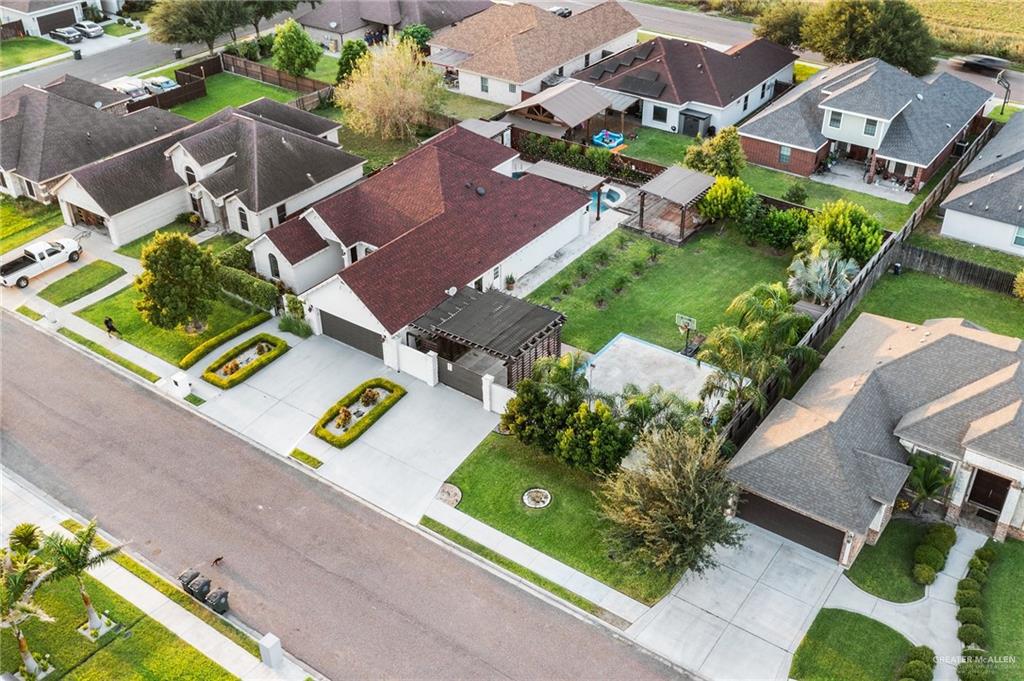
column 610, row 198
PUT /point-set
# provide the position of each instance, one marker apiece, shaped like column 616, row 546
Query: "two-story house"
column 900, row 127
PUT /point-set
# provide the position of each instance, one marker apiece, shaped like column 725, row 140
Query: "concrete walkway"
column 21, row 504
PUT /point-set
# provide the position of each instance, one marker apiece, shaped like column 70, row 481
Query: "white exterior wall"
column 14, row 185
column 72, row 192
column 303, row 275
column 336, row 298
column 29, row 20
column 420, row 365
column 497, row 90
column 324, row 37
column 851, row 129
column 508, row 167
column 538, row 250
column 982, row 231
column 142, row 219
column 671, row 123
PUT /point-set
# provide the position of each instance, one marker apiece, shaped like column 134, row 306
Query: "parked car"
column 67, row 35
column 37, row 258
column 90, row 29
column 159, row 84
column 563, row 12
column 980, row 62
column 133, row 87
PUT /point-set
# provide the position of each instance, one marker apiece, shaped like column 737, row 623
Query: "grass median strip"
column 113, row 357
column 81, row 282
column 28, row 312
column 308, row 459
column 194, row 399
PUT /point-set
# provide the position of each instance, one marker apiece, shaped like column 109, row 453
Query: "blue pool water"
column 609, row 195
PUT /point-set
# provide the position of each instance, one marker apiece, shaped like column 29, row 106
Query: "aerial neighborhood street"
column 582, row 339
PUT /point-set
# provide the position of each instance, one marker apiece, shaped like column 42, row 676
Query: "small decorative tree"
column 72, row 557
column 592, row 438
column 823, row 278
column 796, row 194
column 351, row 52
column 25, row 538
column 729, row 198
column 846, row 228
column 928, row 479
column 1018, row 285
column 20, row 577
column 417, row 33
column 178, row 282
column 718, row 155
column 294, row 51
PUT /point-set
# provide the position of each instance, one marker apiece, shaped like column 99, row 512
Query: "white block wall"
column 981, row 231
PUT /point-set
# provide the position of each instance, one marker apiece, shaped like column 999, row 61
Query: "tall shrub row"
column 260, row 293
column 930, row 555
column 589, row 159
column 971, row 617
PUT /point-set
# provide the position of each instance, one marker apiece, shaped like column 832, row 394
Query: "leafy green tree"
column 294, row 51
column 841, row 30
column 351, row 52
column 592, row 438
column 729, row 198
column 1018, row 285
column 72, row 557
column 902, row 38
column 260, row 10
column 781, row 22
column 20, row 577
column 529, row 416
column 671, row 512
column 718, row 155
column 178, row 282
column 846, row 228
column 418, row 33
column 780, row 229
column 194, row 21
column 928, row 479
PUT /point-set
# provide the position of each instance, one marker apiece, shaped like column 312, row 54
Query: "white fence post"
column 432, row 379
column 487, row 381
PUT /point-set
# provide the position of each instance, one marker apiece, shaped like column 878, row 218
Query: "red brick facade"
column 801, row 162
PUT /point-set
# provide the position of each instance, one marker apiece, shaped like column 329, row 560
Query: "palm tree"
column 730, row 350
column 644, row 410
column 928, row 479
column 25, row 538
column 20, row 576
column 73, row 556
column 823, row 278
column 563, row 379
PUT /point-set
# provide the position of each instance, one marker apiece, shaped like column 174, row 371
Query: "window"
column 243, row 220
column 870, row 125
column 496, row 274
column 784, row 153
column 512, row 87
column 484, row 84
column 746, row 101
column 190, row 176
column 3, row 181
column 900, row 169
column 561, row 70
column 606, row 53
column 835, row 119
column 659, row 114
column 586, row 60
column 275, row 271
column 1018, row 239
column 196, row 208
column 282, row 214
column 30, row 189
column 353, row 254
column 764, row 86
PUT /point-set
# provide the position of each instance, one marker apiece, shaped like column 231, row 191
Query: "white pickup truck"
column 37, row 258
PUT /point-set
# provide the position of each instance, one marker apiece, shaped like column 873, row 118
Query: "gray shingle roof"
column 997, row 196
column 84, row 92
column 349, row 15
column 293, row 117
column 1006, row 148
column 874, row 89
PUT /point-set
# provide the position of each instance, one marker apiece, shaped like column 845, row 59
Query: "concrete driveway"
column 745, row 618
column 398, row 464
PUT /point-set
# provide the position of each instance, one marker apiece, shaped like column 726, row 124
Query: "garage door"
column 61, row 19
column 792, row 525
column 352, row 334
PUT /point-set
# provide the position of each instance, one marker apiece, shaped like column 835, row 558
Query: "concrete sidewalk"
column 21, row 504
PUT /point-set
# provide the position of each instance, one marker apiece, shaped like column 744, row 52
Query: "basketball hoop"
column 685, row 325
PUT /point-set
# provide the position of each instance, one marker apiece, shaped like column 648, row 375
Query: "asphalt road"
column 349, row 591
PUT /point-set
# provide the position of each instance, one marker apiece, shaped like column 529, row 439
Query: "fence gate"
column 460, row 378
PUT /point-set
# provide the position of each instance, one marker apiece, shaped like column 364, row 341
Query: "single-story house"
column 48, row 132
column 685, row 87
column 373, row 259
column 39, row 17
column 244, row 169
column 987, row 206
column 334, row 22
column 505, row 52
column 898, row 127
column 825, row 468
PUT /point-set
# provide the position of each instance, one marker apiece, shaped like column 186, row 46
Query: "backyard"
column 326, row 69
column 377, row 152
column 21, row 51
column 845, row 645
column 464, row 107
column 928, row 235
column 493, row 479
column 24, row 221
column 226, row 89
column 698, row 279
column 885, row 569
column 1004, row 603
column 658, row 146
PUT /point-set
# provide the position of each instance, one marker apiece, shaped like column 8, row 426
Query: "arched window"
column 190, row 176
column 275, row 272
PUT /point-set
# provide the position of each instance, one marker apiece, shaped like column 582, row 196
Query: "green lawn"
column 133, row 249
column 885, row 568
column 25, row 221
column 326, row 69
column 21, row 51
column 847, row 646
column 928, row 235
column 148, row 651
column 118, row 30
column 81, row 282
column 658, row 146
column 222, row 241
column 1004, row 603
column 1001, row 115
column 226, row 89
column 102, row 351
column 699, row 279
column 377, row 152
column 916, row 297
column 464, row 107
column 802, row 71
column 493, row 480
column 28, row 312
column 170, row 345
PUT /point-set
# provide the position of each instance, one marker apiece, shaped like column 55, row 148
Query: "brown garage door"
column 352, row 334
column 61, row 19
column 792, row 525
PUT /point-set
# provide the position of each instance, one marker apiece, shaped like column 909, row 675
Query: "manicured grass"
column 916, row 297
column 28, row 312
column 222, row 241
column 170, row 345
column 512, row 566
column 21, row 51
column 699, row 279
column 845, row 645
column 658, row 146
column 81, row 282
column 308, row 459
column 464, row 107
column 194, row 399
column 885, row 568
column 1003, row 115
column 112, row 356
column 377, row 152
column 26, row 221
column 118, row 30
column 326, row 69
column 1004, row 603
column 493, row 479
column 172, row 591
column 133, row 249
column 226, row 89
column 928, row 235
column 802, row 71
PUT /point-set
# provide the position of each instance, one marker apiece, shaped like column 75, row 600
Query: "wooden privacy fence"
column 191, row 81
column 270, row 75
column 954, row 269
column 313, row 100
column 12, row 29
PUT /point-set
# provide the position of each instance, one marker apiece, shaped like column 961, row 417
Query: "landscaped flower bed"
column 355, row 412
column 243, row 360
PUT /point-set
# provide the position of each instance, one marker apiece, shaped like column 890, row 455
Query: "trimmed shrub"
column 359, row 427
column 924, row 574
column 236, row 256
column 294, row 325
column 980, row 576
column 971, row 634
column 224, row 336
column 929, row 555
column 968, row 599
column 601, row 297
column 973, row 652
column 922, row 654
column 211, row 374
column 941, row 536
column 938, row 541
column 260, row 293
column 601, row 256
column 977, row 564
column 968, row 584
column 973, row 671
column 969, row 616
column 917, row 670
column 986, row 553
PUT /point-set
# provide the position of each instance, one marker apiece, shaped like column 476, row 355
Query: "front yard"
column 699, row 279
column 493, row 479
column 885, row 569
column 118, row 30
column 133, row 249
column 226, row 89
column 1004, row 603
column 845, row 645
column 21, row 51
column 80, row 283
column 25, row 221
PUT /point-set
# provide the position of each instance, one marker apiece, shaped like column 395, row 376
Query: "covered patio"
column 563, row 111
column 665, row 207
column 852, row 175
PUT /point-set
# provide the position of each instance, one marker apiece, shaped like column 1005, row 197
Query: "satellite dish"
column 333, row 24
column 97, row 105
column 452, row 291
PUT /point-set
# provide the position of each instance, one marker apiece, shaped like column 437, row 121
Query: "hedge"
column 973, row 671
column 305, row 458
column 917, row 670
column 924, row 574
column 203, row 348
column 225, row 382
column 236, row 256
column 969, row 616
column 260, row 293
column 985, row 553
column 968, row 599
column 929, row 555
column 980, row 576
column 375, row 412
column 971, row 634
column 922, row 654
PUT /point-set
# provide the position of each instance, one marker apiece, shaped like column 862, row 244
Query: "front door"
column 989, row 490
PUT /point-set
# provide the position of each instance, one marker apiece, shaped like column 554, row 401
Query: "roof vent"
column 948, row 125
column 480, row 191
column 452, row 291
column 308, row 175
column 97, row 104
column 970, row 204
column 920, row 97
column 986, row 207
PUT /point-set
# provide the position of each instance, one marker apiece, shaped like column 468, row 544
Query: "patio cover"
column 448, row 57
column 679, row 185
column 577, row 179
column 499, row 324
column 571, row 102
column 530, row 125
column 619, row 101
column 488, row 129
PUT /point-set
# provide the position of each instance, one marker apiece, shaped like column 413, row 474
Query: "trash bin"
column 187, row 576
column 897, row 268
column 218, row 600
column 199, row 587
column 177, row 53
column 78, row 54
